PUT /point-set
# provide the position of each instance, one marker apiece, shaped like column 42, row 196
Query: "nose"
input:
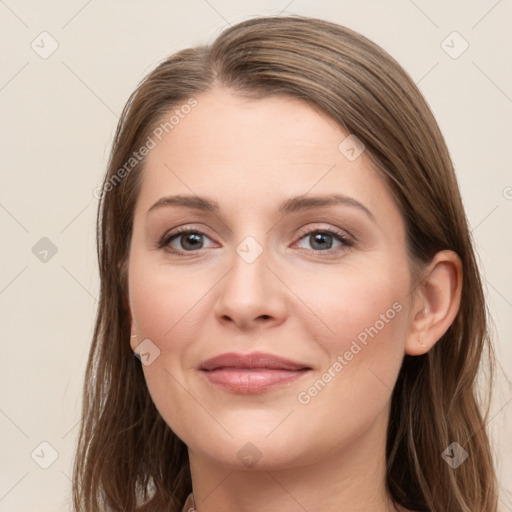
column 251, row 295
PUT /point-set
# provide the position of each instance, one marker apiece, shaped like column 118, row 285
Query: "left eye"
column 322, row 240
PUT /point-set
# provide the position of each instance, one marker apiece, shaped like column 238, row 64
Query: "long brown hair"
column 127, row 458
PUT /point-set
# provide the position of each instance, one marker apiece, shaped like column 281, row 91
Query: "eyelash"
column 345, row 241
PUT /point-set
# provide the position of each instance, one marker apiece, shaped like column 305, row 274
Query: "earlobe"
column 437, row 301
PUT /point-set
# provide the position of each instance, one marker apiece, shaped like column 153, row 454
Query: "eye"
column 323, row 240
column 184, row 240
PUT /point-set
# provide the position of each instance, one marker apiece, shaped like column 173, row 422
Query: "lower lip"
column 251, row 380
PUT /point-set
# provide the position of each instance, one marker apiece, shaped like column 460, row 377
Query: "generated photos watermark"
column 358, row 343
column 151, row 143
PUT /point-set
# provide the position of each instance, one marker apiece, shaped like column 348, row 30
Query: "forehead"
column 225, row 123
column 258, row 151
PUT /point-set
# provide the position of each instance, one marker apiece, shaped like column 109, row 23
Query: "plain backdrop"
column 67, row 69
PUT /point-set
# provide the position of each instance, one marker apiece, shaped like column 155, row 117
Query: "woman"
column 283, row 246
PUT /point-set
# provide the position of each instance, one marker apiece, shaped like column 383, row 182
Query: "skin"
column 249, row 156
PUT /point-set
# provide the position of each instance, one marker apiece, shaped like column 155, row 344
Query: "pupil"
column 321, row 238
column 195, row 238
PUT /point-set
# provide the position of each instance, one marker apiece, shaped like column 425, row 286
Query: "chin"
column 257, row 452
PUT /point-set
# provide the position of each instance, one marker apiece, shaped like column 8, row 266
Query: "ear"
column 436, row 302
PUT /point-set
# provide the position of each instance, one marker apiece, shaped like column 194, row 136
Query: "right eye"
column 183, row 240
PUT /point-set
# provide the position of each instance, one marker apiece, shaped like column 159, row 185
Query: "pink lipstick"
column 251, row 373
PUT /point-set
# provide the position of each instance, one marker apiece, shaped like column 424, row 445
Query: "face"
column 274, row 270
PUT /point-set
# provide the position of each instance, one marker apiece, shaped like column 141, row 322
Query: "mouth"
column 251, row 373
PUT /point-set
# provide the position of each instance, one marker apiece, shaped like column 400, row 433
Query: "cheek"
column 364, row 353
column 365, row 313
column 168, row 308
column 354, row 304
column 162, row 302
column 162, row 305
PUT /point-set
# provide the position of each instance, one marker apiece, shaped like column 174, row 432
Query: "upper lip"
column 253, row 360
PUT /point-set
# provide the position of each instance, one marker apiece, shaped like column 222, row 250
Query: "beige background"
column 58, row 118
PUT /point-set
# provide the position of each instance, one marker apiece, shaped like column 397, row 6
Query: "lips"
column 251, row 361
column 251, row 373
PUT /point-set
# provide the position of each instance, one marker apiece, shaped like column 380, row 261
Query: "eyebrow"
column 291, row 205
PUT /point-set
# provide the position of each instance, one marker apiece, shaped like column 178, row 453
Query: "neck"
column 351, row 479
